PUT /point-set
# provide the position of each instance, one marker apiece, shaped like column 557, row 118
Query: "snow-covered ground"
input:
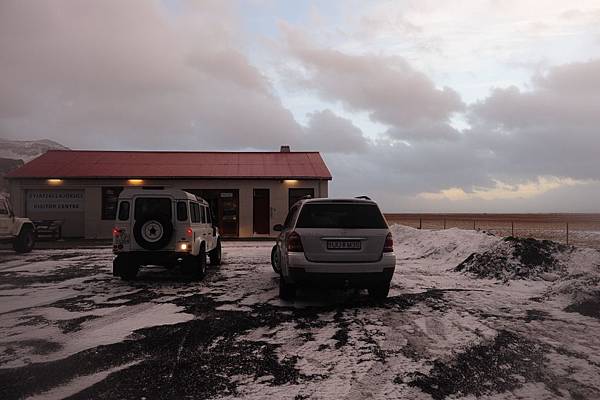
column 68, row 328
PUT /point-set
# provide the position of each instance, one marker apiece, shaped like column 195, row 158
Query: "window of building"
column 110, row 197
column 296, row 194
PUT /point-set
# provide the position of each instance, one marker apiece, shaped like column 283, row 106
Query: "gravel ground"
column 69, row 329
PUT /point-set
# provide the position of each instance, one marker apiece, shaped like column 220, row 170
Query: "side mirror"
column 278, row 228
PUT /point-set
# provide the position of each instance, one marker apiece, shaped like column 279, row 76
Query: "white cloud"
column 504, row 191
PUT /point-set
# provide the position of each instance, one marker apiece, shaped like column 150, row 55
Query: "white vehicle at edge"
column 334, row 243
column 164, row 227
column 18, row 231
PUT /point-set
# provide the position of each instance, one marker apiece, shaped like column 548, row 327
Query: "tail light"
column 388, row 247
column 117, row 232
column 189, row 232
column 294, row 244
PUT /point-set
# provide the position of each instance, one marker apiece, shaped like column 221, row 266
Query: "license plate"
column 343, row 245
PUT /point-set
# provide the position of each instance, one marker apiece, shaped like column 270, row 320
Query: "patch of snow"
column 445, row 247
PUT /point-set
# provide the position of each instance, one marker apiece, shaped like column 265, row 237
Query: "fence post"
column 474, row 224
column 567, row 233
column 512, row 228
column 444, row 224
column 420, row 223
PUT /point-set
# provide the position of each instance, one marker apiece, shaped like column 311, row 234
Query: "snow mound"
column 449, row 246
column 581, row 282
column 518, row 258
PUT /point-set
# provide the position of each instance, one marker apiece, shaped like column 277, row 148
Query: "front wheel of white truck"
column 25, row 241
column 216, row 254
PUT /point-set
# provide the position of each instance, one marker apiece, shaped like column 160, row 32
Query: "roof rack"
column 363, row 197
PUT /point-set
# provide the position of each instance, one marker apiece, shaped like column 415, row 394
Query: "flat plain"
column 579, row 229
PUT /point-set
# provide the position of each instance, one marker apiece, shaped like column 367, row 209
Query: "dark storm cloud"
column 516, row 137
column 388, row 88
column 334, row 134
column 549, row 130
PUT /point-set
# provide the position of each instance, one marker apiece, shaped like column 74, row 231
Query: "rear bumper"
column 359, row 280
column 359, row 275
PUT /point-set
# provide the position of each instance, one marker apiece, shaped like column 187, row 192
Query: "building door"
column 298, row 193
column 262, row 211
column 224, row 205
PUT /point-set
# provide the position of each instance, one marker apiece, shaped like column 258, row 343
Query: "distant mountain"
column 27, row 150
column 13, row 153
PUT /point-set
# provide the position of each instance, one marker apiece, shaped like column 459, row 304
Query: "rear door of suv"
column 343, row 231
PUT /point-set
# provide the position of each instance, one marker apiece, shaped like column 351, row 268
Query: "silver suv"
column 334, row 242
column 164, row 227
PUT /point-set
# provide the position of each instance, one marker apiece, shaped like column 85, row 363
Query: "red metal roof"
column 151, row 164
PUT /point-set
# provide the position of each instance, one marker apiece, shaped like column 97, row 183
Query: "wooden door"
column 261, row 211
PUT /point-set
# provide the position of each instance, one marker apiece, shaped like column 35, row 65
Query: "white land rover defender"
column 165, row 227
column 18, row 231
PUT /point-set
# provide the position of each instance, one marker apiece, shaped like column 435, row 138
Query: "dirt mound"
column 517, row 258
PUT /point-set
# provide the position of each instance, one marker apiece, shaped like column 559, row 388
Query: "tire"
column 146, row 228
column 195, row 266
column 25, row 241
column 275, row 259
column 287, row 291
column 379, row 292
column 216, row 254
column 125, row 267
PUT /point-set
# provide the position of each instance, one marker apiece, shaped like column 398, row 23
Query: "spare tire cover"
column 153, row 232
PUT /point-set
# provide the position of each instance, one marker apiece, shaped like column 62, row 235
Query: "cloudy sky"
column 482, row 106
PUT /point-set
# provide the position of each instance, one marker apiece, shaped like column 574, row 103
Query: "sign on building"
column 55, row 201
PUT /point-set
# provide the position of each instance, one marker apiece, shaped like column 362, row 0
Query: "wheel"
column 195, row 266
column 276, row 259
column 153, row 232
column 287, row 291
column 25, row 241
column 216, row 254
column 125, row 267
column 379, row 292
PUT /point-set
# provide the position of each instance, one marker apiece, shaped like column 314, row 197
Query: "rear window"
column 341, row 215
column 151, row 207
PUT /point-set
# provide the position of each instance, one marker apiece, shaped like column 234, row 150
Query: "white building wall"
column 96, row 228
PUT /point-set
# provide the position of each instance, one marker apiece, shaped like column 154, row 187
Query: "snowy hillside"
column 27, row 150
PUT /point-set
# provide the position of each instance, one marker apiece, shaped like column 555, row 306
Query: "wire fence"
column 577, row 229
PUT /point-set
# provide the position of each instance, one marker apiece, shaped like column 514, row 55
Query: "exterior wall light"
column 54, row 182
column 135, row 182
column 290, row 181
